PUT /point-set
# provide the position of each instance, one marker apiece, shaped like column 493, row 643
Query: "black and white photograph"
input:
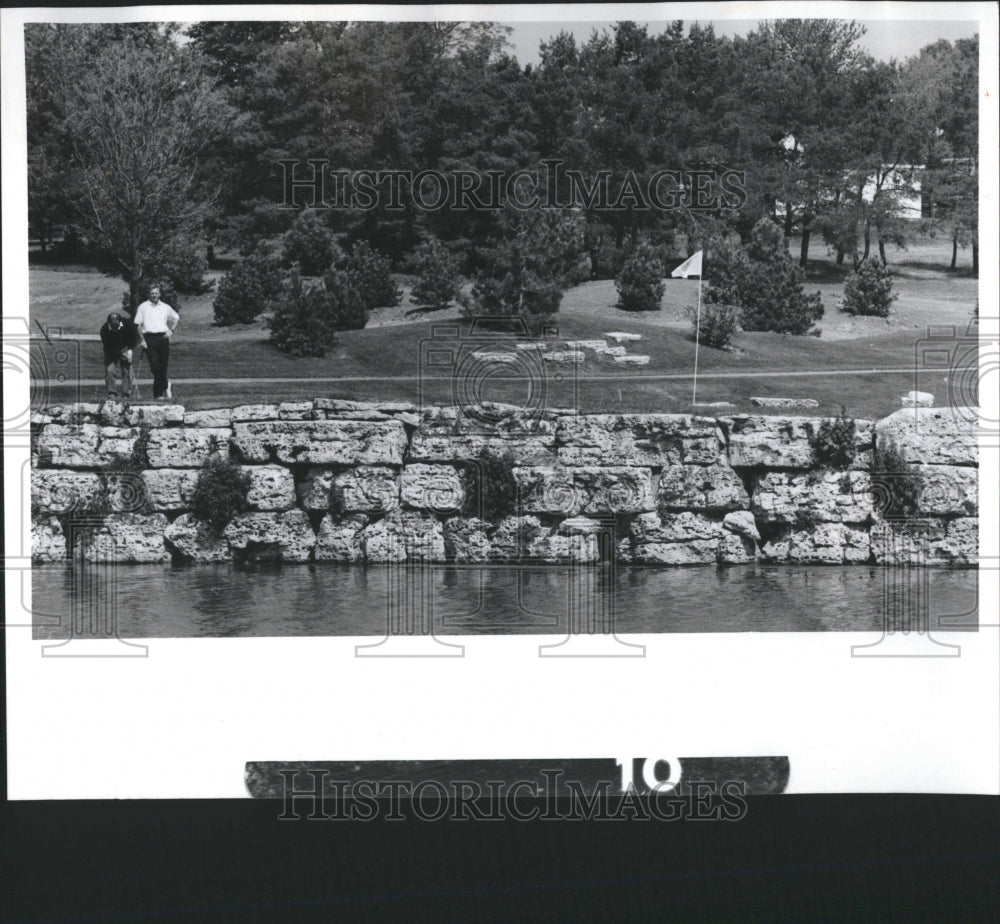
column 503, row 363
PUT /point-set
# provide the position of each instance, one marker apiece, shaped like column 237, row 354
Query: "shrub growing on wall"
column 868, row 290
column 640, row 282
column 491, row 487
column 220, row 493
column 833, row 443
column 896, row 485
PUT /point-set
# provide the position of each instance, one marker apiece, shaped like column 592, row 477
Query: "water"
column 302, row 600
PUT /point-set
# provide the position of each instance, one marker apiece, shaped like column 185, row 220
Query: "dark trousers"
column 117, row 374
column 158, row 353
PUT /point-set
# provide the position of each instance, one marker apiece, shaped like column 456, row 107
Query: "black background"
column 792, row 858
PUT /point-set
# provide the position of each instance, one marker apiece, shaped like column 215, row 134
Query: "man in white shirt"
column 156, row 322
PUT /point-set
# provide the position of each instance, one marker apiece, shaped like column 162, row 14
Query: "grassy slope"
column 78, row 300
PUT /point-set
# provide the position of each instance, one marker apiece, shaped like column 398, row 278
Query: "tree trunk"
column 881, row 251
column 804, row 247
column 789, row 220
column 975, row 256
column 840, row 255
column 868, row 241
column 954, row 248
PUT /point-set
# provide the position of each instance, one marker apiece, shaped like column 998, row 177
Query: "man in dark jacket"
column 118, row 336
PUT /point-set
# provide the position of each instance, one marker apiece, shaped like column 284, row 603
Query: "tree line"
column 150, row 142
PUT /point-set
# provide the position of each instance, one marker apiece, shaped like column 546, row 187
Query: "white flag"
column 690, row 267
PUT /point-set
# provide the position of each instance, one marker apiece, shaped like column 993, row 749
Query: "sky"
column 884, row 39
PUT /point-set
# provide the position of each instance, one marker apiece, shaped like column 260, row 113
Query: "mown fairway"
column 384, row 362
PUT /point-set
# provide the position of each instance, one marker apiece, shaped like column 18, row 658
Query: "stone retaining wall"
column 346, row 481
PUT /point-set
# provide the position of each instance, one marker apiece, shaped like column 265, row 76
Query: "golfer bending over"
column 118, row 336
column 156, row 321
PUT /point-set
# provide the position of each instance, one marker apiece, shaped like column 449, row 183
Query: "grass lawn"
column 384, row 361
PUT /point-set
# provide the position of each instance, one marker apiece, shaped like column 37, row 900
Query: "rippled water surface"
column 302, row 600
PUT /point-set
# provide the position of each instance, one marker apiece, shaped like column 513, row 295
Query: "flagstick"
column 697, row 338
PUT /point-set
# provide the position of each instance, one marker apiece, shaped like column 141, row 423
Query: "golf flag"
column 690, row 267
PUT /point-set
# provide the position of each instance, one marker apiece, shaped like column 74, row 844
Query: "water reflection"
column 303, row 600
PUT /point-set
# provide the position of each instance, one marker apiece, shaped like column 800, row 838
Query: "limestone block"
column 440, row 488
column 296, row 410
column 829, row 497
column 514, row 534
column 466, row 540
column 116, row 443
column 404, row 535
column 579, row 526
column 69, row 446
column 78, row 413
column 917, row 399
column 495, row 356
column 185, row 447
column 341, row 539
column 734, row 549
column 196, row 540
column 126, row 492
column 112, row 413
column 702, row 487
column 781, row 442
column 622, row 337
column 948, row 490
column 217, row 417
column 563, row 357
column 961, row 541
column 929, row 541
column 366, row 489
column 632, row 359
column 695, row 552
column 342, row 405
column 526, row 450
column 784, row 402
column 933, row 435
column 289, row 532
column 321, row 442
column 129, row 537
column 58, row 491
column 272, row 487
column 590, row 489
column 742, row 523
column 653, row 440
column 255, row 412
column 555, row 548
column 674, row 527
column 48, row 542
column 170, row 488
column 451, row 435
column 154, row 415
column 822, row 543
